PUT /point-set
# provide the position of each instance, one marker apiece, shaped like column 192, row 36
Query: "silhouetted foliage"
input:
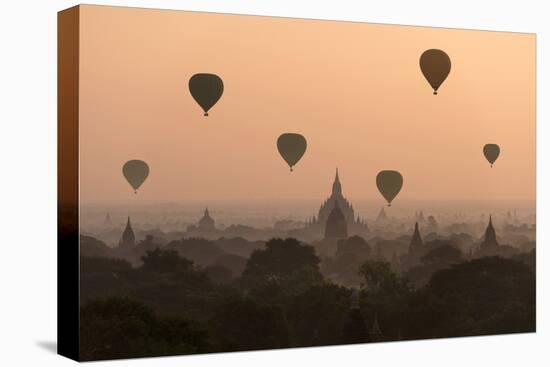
column 199, row 250
column 282, row 300
column 483, row 296
column 242, row 324
column 355, row 330
column 219, row 274
column 444, row 256
column 92, row 247
column 90, row 265
column 165, row 261
column 284, row 262
column 386, row 295
column 350, row 254
column 121, row 328
column 379, row 277
column 235, row 263
column 316, row 316
column 439, row 255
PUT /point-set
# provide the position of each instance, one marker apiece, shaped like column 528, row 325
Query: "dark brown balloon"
column 389, row 184
column 135, row 172
column 292, row 147
column 491, row 152
column 206, row 89
column 436, row 66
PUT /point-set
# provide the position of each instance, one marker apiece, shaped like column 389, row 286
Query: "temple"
column 490, row 240
column 490, row 246
column 336, row 226
column 416, row 244
column 355, row 225
column 128, row 239
column 206, row 223
column 382, row 217
column 415, row 252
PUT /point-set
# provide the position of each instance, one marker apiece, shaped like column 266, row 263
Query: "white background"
column 28, row 183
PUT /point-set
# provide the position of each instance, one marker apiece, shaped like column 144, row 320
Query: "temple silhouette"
column 128, row 239
column 207, row 223
column 344, row 214
column 336, row 226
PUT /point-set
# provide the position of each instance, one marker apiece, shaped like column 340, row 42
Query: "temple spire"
column 207, row 223
column 416, row 240
column 490, row 235
column 337, row 186
column 128, row 237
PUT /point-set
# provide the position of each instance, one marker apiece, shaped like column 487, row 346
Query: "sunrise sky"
column 354, row 90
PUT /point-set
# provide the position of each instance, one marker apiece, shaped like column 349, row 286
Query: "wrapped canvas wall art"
column 236, row 183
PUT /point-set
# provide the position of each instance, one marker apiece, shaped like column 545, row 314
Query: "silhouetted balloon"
column 491, row 152
column 136, row 172
column 389, row 184
column 206, row 89
column 435, row 65
column 291, row 147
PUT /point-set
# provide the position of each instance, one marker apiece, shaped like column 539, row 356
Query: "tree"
column 165, row 261
column 355, row 330
column 287, row 263
column 387, row 295
column 379, row 276
column 443, row 256
column 243, row 324
column 350, row 254
column 219, row 274
column 485, row 296
column 121, row 328
column 317, row 316
column 199, row 250
column 440, row 255
column 92, row 247
column 91, row 265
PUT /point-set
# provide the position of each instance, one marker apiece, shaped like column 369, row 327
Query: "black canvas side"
column 67, row 185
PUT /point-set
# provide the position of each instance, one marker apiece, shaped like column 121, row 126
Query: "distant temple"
column 415, row 252
column 490, row 246
column 355, row 225
column 336, row 226
column 108, row 222
column 206, row 223
column 128, row 239
column 490, row 240
column 416, row 244
column 382, row 216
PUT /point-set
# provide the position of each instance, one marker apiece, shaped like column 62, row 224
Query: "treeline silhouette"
column 280, row 297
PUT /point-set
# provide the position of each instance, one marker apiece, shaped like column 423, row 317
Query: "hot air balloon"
column 491, row 152
column 435, row 65
column 389, row 184
column 135, row 172
column 291, row 147
column 206, row 89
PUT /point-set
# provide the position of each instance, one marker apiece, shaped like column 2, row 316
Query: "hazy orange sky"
column 354, row 90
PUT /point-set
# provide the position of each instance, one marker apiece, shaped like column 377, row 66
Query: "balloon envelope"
column 135, row 172
column 436, row 66
column 206, row 89
column 491, row 152
column 389, row 184
column 291, row 147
